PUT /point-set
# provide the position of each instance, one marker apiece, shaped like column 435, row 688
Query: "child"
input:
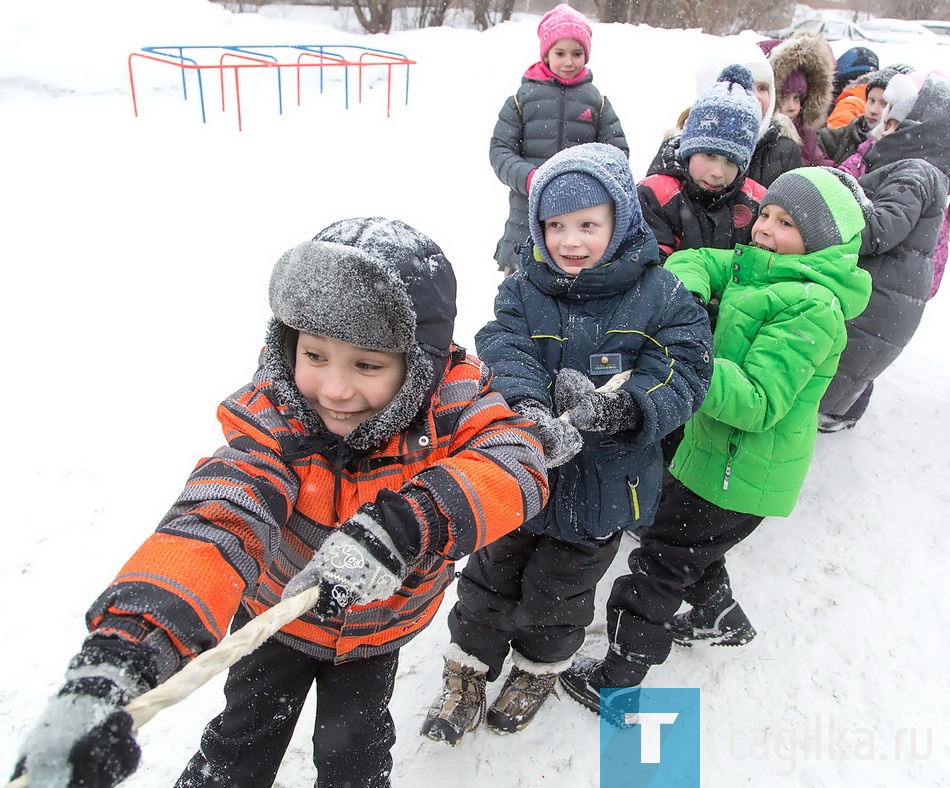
column 840, row 143
column 776, row 148
column 701, row 197
column 847, row 100
column 557, row 106
column 745, row 454
column 804, row 69
column 906, row 179
column 898, row 97
column 367, row 436
column 589, row 302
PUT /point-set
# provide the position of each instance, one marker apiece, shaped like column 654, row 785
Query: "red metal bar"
column 324, row 60
column 335, row 60
column 389, row 61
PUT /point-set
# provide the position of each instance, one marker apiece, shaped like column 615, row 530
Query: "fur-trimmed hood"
column 374, row 283
column 785, row 128
column 814, row 57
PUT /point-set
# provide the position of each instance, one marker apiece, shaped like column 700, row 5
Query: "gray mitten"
column 595, row 411
column 363, row 560
column 560, row 440
column 84, row 737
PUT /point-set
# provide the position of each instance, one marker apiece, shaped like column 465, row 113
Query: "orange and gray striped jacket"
column 251, row 516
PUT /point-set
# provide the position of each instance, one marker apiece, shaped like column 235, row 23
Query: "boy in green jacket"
column 780, row 331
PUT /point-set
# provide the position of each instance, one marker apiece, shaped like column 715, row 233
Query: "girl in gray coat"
column 556, row 107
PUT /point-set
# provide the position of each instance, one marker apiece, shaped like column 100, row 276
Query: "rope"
column 210, row 663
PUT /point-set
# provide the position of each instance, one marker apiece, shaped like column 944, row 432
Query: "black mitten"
column 559, row 439
column 595, row 411
column 363, row 560
column 84, row 737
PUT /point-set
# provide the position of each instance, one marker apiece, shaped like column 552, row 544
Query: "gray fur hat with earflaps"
column 374, row 283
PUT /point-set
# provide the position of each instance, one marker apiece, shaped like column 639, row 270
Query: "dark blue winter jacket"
column 626, row 313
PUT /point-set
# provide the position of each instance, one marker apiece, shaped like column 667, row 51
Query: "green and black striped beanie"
column 827, row 205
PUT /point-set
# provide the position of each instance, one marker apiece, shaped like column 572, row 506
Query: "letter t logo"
column 650, row 725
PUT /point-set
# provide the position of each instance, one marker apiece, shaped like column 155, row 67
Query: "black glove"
column 84, row 738
column 559, row 439
column 363, row 560
column 712, row 309
column 595, row 411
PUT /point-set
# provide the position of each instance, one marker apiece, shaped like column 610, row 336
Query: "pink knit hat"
column 562, row 21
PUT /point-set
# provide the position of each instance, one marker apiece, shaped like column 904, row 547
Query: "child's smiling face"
column 346, row 384
column 565, row 59
column 775, row 230
column 578, row 240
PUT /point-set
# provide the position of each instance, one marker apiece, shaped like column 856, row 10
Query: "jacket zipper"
column 634, row 498
column 730, row 458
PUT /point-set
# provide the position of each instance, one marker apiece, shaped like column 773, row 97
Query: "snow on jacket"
column 545, row 115
column 684, row 215
column 897, row 247
column 629, row 309
column 780, row 332
column 453, row 455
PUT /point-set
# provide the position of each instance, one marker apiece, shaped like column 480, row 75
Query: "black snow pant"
column 528, row 592
column 681, row 557
column 265, row 691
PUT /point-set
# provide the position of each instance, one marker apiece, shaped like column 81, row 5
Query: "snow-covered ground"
column 136, row 255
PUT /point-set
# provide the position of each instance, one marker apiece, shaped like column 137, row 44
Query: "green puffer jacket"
column 780, row 332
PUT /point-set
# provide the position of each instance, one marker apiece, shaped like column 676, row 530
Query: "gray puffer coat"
column 542, row 118
column 897, row 245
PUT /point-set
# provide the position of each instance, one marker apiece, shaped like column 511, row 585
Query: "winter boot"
column 719, row 624
column 526, row 688
column 461, row 705
column 828, row 422
column 584, row 680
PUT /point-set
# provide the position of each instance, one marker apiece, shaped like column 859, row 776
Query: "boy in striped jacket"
column 368, row 453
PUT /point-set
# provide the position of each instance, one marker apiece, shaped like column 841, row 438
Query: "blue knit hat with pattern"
column 724, row 121
column 572, row 191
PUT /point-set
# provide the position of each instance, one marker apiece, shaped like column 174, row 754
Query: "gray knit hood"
column 608, row 165
column 371, row 282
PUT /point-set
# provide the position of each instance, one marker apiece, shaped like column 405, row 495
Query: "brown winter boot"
column 526, row 688
column 461, row 705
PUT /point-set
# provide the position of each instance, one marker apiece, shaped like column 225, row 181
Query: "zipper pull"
column 725, row 481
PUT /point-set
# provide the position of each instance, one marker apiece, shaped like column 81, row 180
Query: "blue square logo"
column 649, row 738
